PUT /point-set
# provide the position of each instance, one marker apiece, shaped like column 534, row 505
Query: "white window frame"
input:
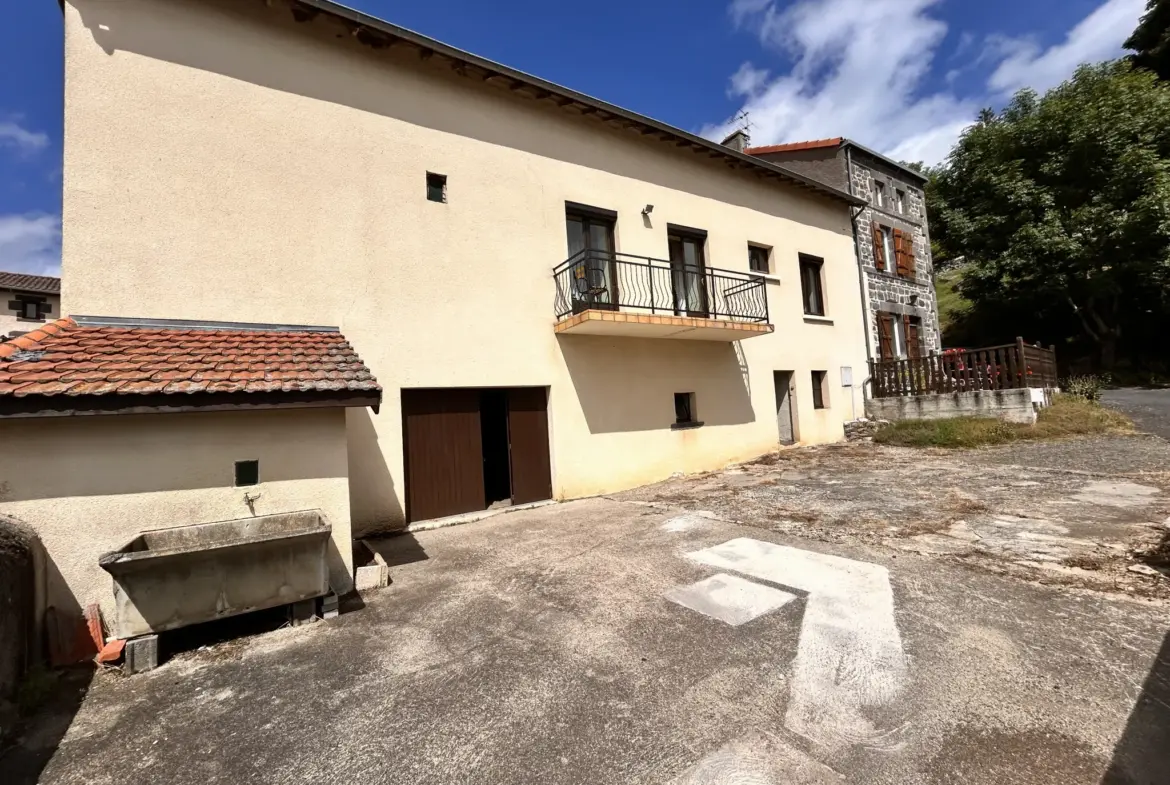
column 900, row 199
column 888, row 249
column 879, row 193
column 897, row 336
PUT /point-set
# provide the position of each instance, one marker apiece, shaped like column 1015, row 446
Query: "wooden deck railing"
column 1006, row 367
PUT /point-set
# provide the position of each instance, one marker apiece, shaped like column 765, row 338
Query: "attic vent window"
column 247, row 473
column 436, row 187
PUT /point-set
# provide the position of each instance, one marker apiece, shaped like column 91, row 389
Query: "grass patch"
column 1067, row 416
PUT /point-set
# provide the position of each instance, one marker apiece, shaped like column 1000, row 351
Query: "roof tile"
column 131, row 361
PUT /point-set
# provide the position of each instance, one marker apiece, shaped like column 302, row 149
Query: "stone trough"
column 170, row 578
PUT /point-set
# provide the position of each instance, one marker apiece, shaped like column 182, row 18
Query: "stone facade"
column 886, row 291
column 844, row 164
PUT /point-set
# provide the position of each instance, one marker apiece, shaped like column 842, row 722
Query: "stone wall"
column 886, row 291
column 18, row 561
column 1010, row 405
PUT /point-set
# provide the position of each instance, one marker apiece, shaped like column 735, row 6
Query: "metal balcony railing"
column 600, row 280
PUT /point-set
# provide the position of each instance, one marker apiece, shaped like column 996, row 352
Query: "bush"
column 1088, row 386
column 1069, row 415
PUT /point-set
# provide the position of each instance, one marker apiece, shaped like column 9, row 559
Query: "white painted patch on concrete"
column 758, row 760
column 682, row 523
column 729, row 598
column 1116, row 494
column 849, row 659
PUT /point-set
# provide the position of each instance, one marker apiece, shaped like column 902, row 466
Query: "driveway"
column 1149, row 409
column 633, row 640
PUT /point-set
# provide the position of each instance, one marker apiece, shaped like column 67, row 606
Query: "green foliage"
column 952, row 305
column 1068, row 415
column 1058, row 208
column 1087, row 386
column 1151, row 39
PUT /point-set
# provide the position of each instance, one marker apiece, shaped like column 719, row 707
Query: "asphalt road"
column 605, row 641
column 1149, row 409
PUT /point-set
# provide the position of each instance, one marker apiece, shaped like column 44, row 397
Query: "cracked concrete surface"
column 541, row 646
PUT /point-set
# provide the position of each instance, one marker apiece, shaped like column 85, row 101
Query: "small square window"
column 811, row 288
column 247, row 473
column 900, row 200
column 818, row 389
column 758, row 259
column 684, row 408
column 436, row 187
column 29, row 310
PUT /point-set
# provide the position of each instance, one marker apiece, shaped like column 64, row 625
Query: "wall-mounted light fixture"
column 647, row 210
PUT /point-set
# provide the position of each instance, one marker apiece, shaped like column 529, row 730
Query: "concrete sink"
column 170, row 578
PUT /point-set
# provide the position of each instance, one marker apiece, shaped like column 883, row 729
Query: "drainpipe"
column 860, row 267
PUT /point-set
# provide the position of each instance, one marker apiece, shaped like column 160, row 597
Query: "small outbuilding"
column 111, row 427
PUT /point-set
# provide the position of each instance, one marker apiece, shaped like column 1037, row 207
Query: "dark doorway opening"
column 493, row 423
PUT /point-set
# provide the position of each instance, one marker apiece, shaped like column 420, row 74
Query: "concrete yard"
column 852, row 614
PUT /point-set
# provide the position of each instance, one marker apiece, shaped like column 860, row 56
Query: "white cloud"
column 1097, row 37
column 30, row 243
column 851, row 76
column 24, row 140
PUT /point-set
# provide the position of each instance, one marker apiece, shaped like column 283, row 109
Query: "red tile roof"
column 64, row 358
column 815, row 144
column 42, row 284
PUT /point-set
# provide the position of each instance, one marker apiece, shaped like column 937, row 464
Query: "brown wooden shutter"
column 879, row 251
column 913, row 347
column 908, row 248
column 885, row 324
column 899, row 254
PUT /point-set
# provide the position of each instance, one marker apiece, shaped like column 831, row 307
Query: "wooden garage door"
column 528, row 439
column 443, row 451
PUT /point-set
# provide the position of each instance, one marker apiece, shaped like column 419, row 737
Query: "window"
column 758, row 261
column 247, row 473
column 684, row 410
column 593, row 280
column 810, row 285
column 29, row 309
column 879, row 193
column 818, row 387
column 436, row 187
column 888, row 244
column 898, row 336
column 900, row 200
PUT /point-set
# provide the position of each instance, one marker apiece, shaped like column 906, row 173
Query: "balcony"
column 603, row 293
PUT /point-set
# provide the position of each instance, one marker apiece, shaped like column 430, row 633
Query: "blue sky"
column 902, row 76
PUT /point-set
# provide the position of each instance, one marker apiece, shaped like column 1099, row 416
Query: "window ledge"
column 767, row 277
column 808, row 317
column 685, row 426
column 26, row 319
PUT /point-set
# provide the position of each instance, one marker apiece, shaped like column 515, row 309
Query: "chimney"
column 737, row 140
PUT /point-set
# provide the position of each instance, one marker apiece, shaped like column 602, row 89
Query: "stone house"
column 892, row 236
column 27, row 302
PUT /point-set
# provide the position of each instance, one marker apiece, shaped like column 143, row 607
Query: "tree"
column 1060, row 206
column 1151, row 39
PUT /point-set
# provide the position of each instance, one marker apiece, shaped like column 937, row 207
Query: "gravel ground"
column 1092, row 512
column 1105, row 455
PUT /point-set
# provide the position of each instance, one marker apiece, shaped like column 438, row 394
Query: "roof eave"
column 61, row 405
column 565, row 97
column 885, row 158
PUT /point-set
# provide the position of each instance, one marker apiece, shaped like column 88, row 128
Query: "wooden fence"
column 1006, row 367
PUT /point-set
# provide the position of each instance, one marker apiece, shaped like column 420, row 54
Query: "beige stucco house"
column 27, row 302
column 558, row 296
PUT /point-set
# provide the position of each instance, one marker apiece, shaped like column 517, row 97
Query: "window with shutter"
column 879, row 248
column 913, row 346
column 908, row 250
